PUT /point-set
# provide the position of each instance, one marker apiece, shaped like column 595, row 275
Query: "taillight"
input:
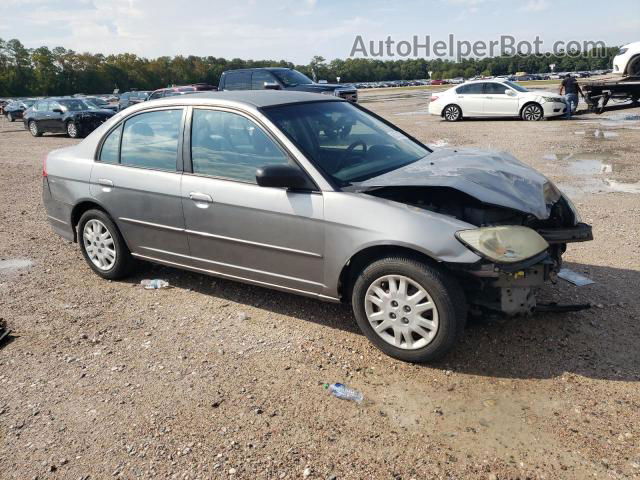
column 44, row 166
column 433, row 99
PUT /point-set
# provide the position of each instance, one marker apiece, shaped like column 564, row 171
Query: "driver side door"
column 237, row 229
column 497, row 102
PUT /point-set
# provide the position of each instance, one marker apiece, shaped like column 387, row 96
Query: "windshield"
column 291, row 78
column 515, row 86
column 345, row 142
column 77, row 105
column 28, row 103
column 96, row 101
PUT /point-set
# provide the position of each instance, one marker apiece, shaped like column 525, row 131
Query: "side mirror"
column 272, row 86
column 510, row 92
column 57, row 110
column 283, row 176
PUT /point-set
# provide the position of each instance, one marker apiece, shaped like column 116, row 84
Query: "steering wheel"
column 349, row 153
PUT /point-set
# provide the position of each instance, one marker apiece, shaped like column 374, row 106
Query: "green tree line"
column 59, row 71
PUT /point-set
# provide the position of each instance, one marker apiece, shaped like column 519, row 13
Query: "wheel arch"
column 531, row 102
column 630, row 63
column 80, row 208
column 369, row 254
column 449, row 105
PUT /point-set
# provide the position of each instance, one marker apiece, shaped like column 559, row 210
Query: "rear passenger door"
column 470, row 99
column 136, row 177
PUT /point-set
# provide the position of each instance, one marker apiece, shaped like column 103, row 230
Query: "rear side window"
column 156, row 95
column 150, row 140
column 471, row 89
column 110, row 152
column 237, row 81
column 231, row 146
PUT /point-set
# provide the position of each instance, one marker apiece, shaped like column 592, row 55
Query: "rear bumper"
column 435, row 109
column 58, row 213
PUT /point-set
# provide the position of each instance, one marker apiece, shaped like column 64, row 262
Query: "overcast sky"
column 296, row 30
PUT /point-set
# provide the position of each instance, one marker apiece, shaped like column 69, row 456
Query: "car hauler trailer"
column 597, row 93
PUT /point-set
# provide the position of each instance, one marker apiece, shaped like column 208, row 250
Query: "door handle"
column 106, row 182
column 200, row 197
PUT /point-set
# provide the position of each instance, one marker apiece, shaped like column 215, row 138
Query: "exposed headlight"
column 328, row 92
column 508, row 244
column 553, row 99
column 622, row 51
column 574, row 210
column 551, row 193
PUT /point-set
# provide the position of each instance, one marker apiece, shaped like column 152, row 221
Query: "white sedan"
column 495, row 98
column 627, row 62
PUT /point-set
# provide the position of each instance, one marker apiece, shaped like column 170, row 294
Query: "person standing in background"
column 570, row 89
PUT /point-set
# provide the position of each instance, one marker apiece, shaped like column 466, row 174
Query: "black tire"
column 123, row 261
column 72, row 130
column 452, row 113
column 444, row 290
column 34, row 129
column 532, row 112
column 10, row 117
column 633, row 68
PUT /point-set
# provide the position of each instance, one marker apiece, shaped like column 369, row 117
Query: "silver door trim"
column 255, row 244
column 149, row 224
column 241, row 279
column 220, row 237
column 57, row 220
column 253, row 270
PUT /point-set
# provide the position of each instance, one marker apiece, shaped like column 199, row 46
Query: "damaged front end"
column 519, row 237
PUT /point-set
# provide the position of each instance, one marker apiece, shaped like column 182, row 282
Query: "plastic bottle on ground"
column 154, row 284
column 342, row 391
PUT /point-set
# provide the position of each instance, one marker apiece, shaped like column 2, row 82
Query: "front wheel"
column 410, row 310
column 102, row 245
column 532, row 112
column 34, row 129
column 72, row 130
column 10, row 117
column 452, row 113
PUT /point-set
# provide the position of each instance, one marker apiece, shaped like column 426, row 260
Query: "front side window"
column 150, row 140
column 516, row 87
column 344, row 141
column 228, row 145
column 259, row 78
column 495, row 88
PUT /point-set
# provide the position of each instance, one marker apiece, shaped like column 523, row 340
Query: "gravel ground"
column 215, row 379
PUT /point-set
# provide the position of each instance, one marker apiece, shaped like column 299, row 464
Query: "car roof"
column 253, row 98
column 257, row 68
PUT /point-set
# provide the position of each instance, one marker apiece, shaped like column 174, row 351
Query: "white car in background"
column 495, row 98
column 627, row 62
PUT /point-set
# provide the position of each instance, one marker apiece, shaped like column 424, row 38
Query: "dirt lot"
column 214, row 379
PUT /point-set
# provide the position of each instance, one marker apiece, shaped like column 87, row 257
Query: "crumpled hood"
column 496, row 178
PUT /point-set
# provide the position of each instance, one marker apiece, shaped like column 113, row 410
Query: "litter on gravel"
column 574, row 277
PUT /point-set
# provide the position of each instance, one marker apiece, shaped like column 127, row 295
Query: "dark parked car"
column 74, row 116
column 131, row 98
column 173, row 91
column 282, row 79
column 15, row 110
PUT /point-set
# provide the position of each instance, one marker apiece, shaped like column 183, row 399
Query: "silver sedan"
column 316, row 196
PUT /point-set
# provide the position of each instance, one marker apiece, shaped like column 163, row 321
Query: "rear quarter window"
column 237, row 81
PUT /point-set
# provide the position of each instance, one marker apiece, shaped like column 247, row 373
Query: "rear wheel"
column 34, row 129
column 102, row 245
column 410, row 310
column 452, row 113
column 532, row 112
